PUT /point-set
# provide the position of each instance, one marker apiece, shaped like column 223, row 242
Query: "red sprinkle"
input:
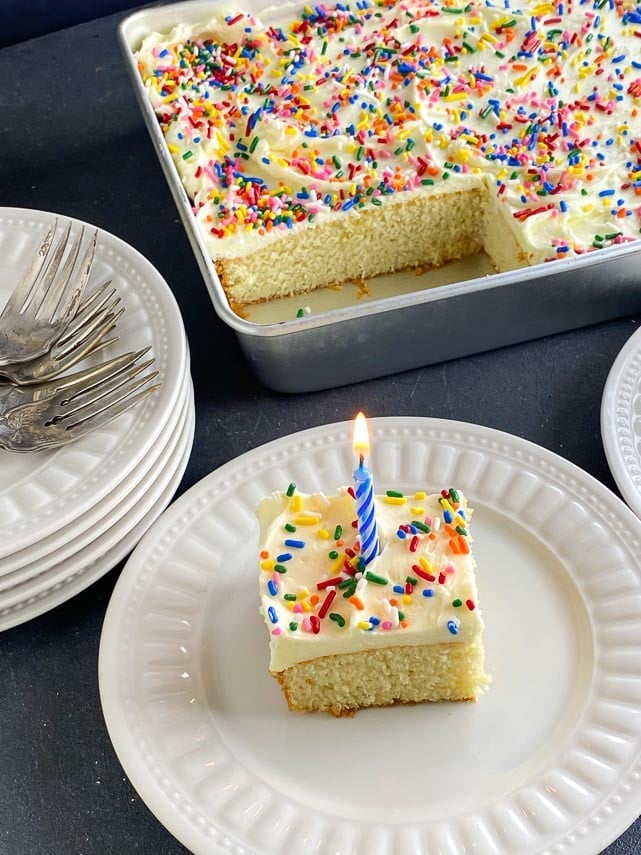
column 470, row 604
column 328, row 583
column 441, row 578
column 420, row 572
column 315, row 623
column 414, row 543
column 328, row 601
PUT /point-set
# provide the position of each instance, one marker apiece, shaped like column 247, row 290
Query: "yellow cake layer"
column 343, row 683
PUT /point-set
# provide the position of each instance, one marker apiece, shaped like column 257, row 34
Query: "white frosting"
column 450, row 614
column 537, row 100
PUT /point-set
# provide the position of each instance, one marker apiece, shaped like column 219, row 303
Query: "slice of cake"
column 323, row 143
column 405, row 628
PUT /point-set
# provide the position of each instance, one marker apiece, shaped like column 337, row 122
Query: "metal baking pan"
column 401, row 321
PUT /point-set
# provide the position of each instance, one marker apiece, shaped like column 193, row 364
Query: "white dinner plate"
column 50, row 550
column 548, row 761
column 12, row 584
column 42, row 492
column 621, row 421
column 64, row 581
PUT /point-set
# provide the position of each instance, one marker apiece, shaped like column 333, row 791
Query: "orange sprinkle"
column 264, row 554
column 393, row 601
column 314, row 599
column 340, row 542
column 463, row 544
column 403, row 623
column 454, row 546
column 357, row 602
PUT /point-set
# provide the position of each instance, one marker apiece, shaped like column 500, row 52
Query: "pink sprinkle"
column 387, row 624
column 277, row 631
column 298, row 608
column 450, row 569
column 307, row 625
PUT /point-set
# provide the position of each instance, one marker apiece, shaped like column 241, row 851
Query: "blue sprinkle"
column 400, row 533
column 452, row 625
column 375, row 621
column 398, row 589
column 273, row 616
column 563, row 206
column 447, row 516
column 428, row 592
column 272, row 588
column 606, row 192
column 285, row 556
column 413, row 528
column 296, row 544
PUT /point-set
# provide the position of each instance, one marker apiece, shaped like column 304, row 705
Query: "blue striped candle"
column 364, row 491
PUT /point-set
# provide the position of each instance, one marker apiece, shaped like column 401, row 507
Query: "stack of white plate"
column 69, row 515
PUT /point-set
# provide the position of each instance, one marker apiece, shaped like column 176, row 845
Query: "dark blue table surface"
column 72, row 141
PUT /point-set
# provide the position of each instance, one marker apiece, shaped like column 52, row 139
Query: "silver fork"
column 44, row 300
column 47, row 415
column 85, row 334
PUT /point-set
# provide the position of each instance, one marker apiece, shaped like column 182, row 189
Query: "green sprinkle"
column 421, row 526
column 350, row 592
column 293, row 626
column 401, row 615
column 394, row 494
column 411, row 580
column 291, row 598
column 427, row 181
column 340, row 620
column 300, row 313
column 448, row 165
column 454, row 496
column 613, row 235
column 253, row 145
column 291, row 489
column 414, row 28
column 333, row 555
column 280, row 568
column 336, row 162
column 375, row 578
column 584, row 192
column 290, row 527
column 468, row 46
column 338, row 532
column 346, row 583
column 187, row 155
column 461, row 530
column 376, row 201
column 485, row 112
column 324, row 48
column 446, row 175
column 457, row 603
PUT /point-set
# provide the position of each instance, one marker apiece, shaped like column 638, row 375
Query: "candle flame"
column 361, row 436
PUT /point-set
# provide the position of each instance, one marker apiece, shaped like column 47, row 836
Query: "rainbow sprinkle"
column 273, row 125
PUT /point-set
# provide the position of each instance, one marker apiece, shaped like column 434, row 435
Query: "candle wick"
column 361, row 460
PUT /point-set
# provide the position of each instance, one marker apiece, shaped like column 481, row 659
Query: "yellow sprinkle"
column 307, row 606
column 364, row 624
column 290, row 130
column 525, row 78
column 290, row 605
column 456, row 96
column 336, row 566
column 587, row 208
column 173, row 148
column 418, row 511
column 268, row 564
column 425, row 564
column 407, row 598
column 446, row 505
column 420, row 495
column 296, row 504
column 395, row 500
column 458, row 519
column 302, row 593
column 302, row 520
column 323, row 534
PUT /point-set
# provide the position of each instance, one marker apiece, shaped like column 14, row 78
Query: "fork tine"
column 102, row 417
column 30, row 275
column 106, row 319
column 52, row 298
column 76, row 288
column 112, row 393
column 85, row 396
column 40, row 288
column 87, row 310
column 83, row 379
